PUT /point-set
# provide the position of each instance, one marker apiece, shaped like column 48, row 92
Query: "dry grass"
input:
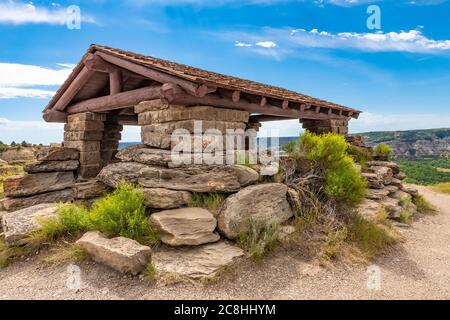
column 423, row 206
column 8, row 172
column 442, row 187
column 65, row 252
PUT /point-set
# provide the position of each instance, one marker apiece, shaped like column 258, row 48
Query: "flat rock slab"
column 199, row 178
column 51, row 166
column 369, row 209
column 377, row 194
column 392, row 165
column 160, row 198
column 145, row 155
column 18, row 225
column 197, row 263
column 187, row 226
column 37, row 183
column 112, row 174
column 89, row 189
column 12, row 204
column 121, row 254
column 263, row 202
column 385, row 173
column 374, row 180
column 57, row 154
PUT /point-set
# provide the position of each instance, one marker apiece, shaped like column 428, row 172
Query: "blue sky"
column 398, row 75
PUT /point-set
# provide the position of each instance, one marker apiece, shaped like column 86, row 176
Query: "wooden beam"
column 266, row 118
column 115, row 82
column 55, row 116
column 285, row 104
column 73, row 89
column 236, row 96
column 130, row 120
column 317, row 109
column 263, row 101
column 220, row 102
column 117, row 101
column 94, row 62
column 147, row 72
column 204, row 89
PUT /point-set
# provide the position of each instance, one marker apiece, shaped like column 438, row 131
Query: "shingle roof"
column 201, row 76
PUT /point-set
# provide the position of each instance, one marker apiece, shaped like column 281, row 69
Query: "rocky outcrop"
column 51, row 166
column 198, row 263
column 18, row 156
column 266, row 202
column 12, row 204
column 113, row 174
column 18, row 225
column 160, row 198
column 370, row 209
column 121, row 254
column 188, row 226
column 32, row 184
column 197, row 178
column 374, row 180
column 57, row 154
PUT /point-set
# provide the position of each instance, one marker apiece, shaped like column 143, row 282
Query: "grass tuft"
column 423, row 206
column 258, row 238
column 442, row 187
column 210, row 201
column 150, row 271
column 66, row 253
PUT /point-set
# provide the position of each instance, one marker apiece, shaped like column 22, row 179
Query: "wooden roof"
column 89, row 89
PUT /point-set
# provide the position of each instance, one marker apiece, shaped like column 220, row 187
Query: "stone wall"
column 326, row 126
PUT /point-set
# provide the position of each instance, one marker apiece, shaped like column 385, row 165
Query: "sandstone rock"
column 410, row 189
column 400, row 195
column 84, row 146
column 377, row 194
column 195, row 126
column 18, row 156
column 400, row 176
column 81, row 125
column 245, row 175
column 3, row 163
column 121, row 254
column 156, row 140
column 260, row 202
column 384, row 173
column 391, row 188
column 294, row 199
column 392, row 165
column 57, row 154
column 374, row 180
column 86, row 116
column 369, row 209
column 18, row 225
column 112, row 174
column 397, row 183
column 187, row 226
column 90, row 158
column 32, row 184
column 51, row 166
column 392, row 207
column 12, row 204
column 89, row 189
column 195, row 178
column 145, row 155
column 202, row 262
column 2, row 213
column 285, row 232
column 83, row 136
column 159, row 198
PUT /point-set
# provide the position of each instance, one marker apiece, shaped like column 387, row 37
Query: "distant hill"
column 413, row 143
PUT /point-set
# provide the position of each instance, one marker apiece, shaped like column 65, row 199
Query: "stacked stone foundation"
column 326, row 126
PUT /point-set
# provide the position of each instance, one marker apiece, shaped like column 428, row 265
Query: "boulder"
column 294, row 199
column 391, row 188
column 245, row 175
column 397, row 183
column 36, row 183
column 369, row 209
column 145, row 155
column 266, row 202
column 19, row 224
column 400, row 176
column 12, row 204
column 114, row 173
column 392, row 207
column 51, row 166
column 377, row 194
column 57, row 154
column 187, row 226
column 198, row 263
column 160, row 198
column 400, row 195
column 410, row 189
column 392, row 165
column 384, row 173
column 121, row 254
column 89, row 189
column 193, row 178
column 374, row 180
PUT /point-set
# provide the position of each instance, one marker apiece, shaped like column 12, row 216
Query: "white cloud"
column 30, row 131
column 262, row 44
column 21, row 80
column 13, row 12
column 413, row 41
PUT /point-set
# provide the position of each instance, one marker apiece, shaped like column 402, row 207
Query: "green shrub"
column 343, row 181
column 383, row 150
column 258, row 237
column 150, row 271
column 360, row 155
column 210, row 201
column 121, row 213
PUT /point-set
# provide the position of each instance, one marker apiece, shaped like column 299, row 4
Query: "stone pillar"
column 159, row 120
column 110, row 142
column 84, row 131
column 326, row 126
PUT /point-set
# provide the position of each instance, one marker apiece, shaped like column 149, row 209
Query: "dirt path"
column 419, row 268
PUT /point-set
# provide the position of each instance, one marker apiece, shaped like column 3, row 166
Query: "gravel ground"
column 418, row 268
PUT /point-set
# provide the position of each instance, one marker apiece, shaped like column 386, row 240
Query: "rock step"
column 12, row 204
column 198, row 263
column 187, row 226
column 51, row 166
column 19, row 224
column 121, row 254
